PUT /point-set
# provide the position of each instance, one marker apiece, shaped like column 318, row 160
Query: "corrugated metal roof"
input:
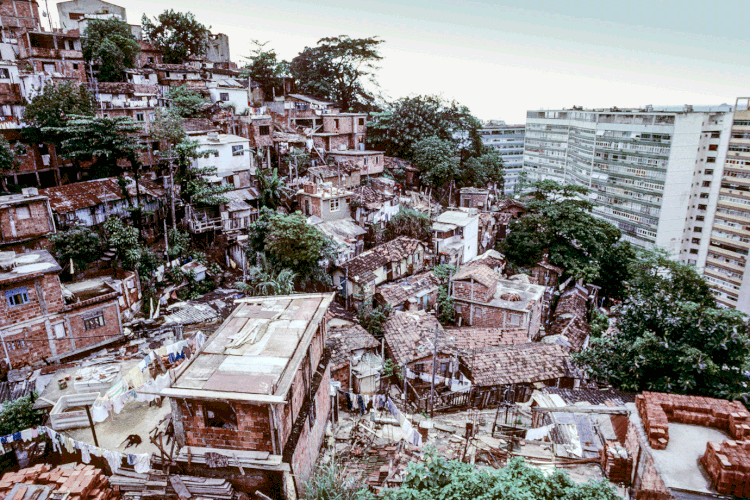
column 72, row 197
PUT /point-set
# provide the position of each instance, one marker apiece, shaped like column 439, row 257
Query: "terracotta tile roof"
column 362, row 266
column 71, row 197
column 517, row 364
column 570, row 318
column 371, row 197
column 509, row 203
column 592, row 396
column 478, row 272
column 468, row 339
column 410, row 336
column 398, row 292
column 490, row 258
column 344, row 341
column 392, row 163
column 327, row 171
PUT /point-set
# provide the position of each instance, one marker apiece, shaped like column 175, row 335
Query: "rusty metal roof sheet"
column 72, row 197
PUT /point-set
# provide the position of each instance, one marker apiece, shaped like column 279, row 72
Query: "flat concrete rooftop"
column 255, row 353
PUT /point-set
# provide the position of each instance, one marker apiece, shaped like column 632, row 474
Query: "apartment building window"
column 220, row 415
column 17, row 296
column 224, row 96
column 139, row 117
column 704, row 195
column 361, row 121
column 264, row 130
column 711, row 159
column 150, row 59
column 696, row 241
column 694, row 250
column 713, row 147
column 4, row 73
column 75, row 65
column 698, row 229
column 167, row 73
column 706, row 184
column 709, row 171
column 335, row 205
column 238, row 151
column 700, row 218
column 94, row 321
column 715, row 135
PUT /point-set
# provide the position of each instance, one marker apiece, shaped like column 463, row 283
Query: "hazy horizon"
column 501, row 60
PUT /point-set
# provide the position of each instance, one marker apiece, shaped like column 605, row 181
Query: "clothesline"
column 140, row 462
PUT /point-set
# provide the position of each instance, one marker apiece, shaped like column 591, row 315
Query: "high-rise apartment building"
column 729, row 239
column 650, row 170
column 507, row 140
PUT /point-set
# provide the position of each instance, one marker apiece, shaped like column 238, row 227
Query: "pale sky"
column 500, row 59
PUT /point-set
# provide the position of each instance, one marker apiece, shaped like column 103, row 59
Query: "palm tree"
column 273, row 189
column 263, row 280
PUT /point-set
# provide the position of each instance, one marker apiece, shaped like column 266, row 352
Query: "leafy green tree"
column 273, row 189
column 178, row 35
column 50, row 110
column 78, row 243
column 408, row 222
column 410, row 119
column 103, row 141
column 20, row 414
column 438, row 478
column 445, row 304
column 266, row 69
column 289, row 242
column 670, row 338
column 132, row 254
column 615, row 270
column 483, row 170
column 179, row 243
column 263, row 279
column 8, row 161
column 339, row 69
column 372, row 318
column 185, row 102
column 436, row 160
column 110, row 44
column 560, row 223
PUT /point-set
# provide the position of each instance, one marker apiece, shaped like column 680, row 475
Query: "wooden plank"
column 179, row 487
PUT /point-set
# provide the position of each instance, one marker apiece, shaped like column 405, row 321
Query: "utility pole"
column 434, row 369
column 171, row 193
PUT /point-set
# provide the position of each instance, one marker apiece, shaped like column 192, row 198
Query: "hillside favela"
column 246, row 256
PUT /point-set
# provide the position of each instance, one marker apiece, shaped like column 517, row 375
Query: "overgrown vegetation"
column 407, row 222
column 130, row 251
column 445, row 304
column 372, row 318
column 263, row 279
column 80, row 244
column 185, row 102
column 670, row 336
column 20, row 414
column 178, row 35
column 110, row 45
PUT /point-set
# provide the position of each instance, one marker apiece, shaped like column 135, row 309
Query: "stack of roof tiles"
column 728, row 464
column 362, row 266
column 658, row 409
column 83, row 482
column 518, row 364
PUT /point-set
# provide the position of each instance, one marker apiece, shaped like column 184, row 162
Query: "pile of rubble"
column 81, row 482
column 728, row 464
column 658, row 409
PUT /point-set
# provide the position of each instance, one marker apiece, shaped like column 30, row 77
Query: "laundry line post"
column 91, row 423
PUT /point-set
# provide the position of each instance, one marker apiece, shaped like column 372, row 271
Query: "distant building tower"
column 508, row 141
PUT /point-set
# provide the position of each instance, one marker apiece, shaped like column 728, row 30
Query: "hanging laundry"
column 143, row 463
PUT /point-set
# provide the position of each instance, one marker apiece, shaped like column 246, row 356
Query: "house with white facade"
column 456, row 236
column 230, row 155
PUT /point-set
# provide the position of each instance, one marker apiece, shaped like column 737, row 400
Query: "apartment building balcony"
column 129, row 104
column 722, row 276
column 47, row 53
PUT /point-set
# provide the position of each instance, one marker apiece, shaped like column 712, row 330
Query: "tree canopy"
column 110, row 44
column 411, row 119
column 103, row 141
column 408, row 222
column 289, row 242
column 670, row 337
column 185, row 102
column 20, row 414
column 560, row 223
column 178, row 35
column 339, row 69
column 436, row 160
column 266, row 69
column 78, row 243
column 53, row 107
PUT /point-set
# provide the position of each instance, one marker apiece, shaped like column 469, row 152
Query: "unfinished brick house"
column 17, row 16
column 41, row 321
column 545, row 273
column 57, row 53
column 471, row 197
column 349, row 345
column 342, row 175
column 395, row 259
column 39, row 164
column 25, row 221
column 324, row 201
column 520, row 366
column 257, row 395
column 370, row 163
column 569, row 326
column 482, row 298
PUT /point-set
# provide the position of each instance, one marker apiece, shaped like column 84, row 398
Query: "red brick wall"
column 474, row 200
column 85, row 337
column 38, row 224
column 308, row 445
column 647, row 483
column 487, row 316
column 50, row 287
column 463, row 289
column 253, row 428
column 19, row 13
column 315, row 208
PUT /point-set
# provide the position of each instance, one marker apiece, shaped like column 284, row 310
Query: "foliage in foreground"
column 20, row 414
column 441, row 479
column 670, row 337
